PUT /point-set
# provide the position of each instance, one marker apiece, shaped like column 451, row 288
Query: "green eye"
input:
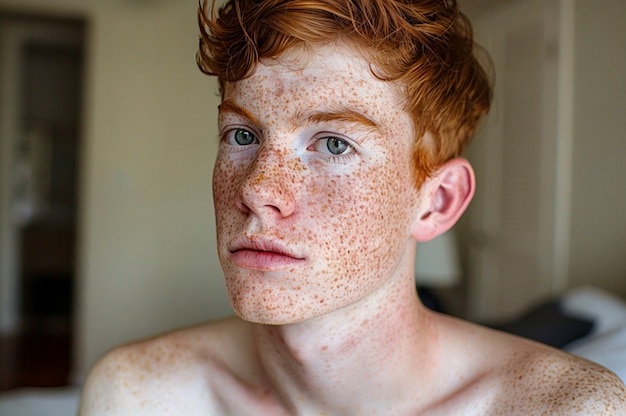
column 334, row 147
column 337, row 146
column 244, row 137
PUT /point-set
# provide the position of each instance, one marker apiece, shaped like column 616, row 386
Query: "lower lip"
column 263, row 260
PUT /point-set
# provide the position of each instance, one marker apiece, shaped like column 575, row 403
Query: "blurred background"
column 107, row 140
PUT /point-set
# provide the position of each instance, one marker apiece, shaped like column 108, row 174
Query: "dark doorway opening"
column 47, row 65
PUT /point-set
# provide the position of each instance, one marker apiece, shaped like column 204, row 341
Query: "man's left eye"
column 333, row 146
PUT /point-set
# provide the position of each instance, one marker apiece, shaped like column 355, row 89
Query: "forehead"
column 325, row 79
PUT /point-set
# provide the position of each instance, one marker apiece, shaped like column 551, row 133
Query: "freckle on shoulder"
column 565, row 383
column 160, row 356
column 606, row 391
column 138, row 377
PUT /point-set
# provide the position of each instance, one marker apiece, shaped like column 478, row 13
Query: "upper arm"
column 151, row 378
column 108, row 389
column 600, row 392
column 546, row 381
column 581, row 387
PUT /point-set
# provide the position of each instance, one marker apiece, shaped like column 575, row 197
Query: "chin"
column 271, row 314
column 268, row 320
column 265, row 317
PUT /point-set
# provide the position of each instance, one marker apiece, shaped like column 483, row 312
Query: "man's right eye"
column 241, row 137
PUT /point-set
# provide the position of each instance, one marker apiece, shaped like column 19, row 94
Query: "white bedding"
column 40, row 402
column 606, row 344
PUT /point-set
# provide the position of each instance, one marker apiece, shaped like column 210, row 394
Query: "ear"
column 446, row 195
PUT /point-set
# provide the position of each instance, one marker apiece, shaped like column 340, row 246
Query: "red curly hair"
column 424, row 45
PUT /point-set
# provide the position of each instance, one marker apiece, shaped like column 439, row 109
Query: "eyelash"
column 229, row 138
column 340, row 158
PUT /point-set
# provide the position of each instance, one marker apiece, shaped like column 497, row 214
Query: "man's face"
column 313, row 187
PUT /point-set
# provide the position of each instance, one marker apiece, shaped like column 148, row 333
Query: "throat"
column 314, row 360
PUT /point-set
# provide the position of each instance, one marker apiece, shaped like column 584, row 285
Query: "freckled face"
column 313, row 187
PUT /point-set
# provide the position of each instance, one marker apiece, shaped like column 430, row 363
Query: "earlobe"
column 446, row 196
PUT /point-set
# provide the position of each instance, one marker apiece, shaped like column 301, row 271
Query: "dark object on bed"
column 429, row 299
column 548, row 323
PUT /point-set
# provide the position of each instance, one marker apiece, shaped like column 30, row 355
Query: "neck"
column 368, row 354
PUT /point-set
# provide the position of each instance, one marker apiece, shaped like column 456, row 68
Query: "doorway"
column 41, row 88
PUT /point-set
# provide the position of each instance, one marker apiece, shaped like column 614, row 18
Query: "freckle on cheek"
column 335, row 216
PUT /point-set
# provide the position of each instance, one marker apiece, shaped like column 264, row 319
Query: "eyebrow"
column 228, row 106
column 343, row 114
column 311, row 117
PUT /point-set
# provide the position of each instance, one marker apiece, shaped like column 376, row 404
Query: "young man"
column 340, row 127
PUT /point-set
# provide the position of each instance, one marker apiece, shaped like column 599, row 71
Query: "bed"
column 587, row 321
column 61, row 401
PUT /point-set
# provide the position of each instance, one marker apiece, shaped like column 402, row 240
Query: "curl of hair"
column 426, row 46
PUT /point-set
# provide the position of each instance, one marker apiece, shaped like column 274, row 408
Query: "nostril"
column 243, row 207
column 265, row 186
column 261, row 194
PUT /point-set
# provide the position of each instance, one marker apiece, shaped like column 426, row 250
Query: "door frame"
column 15, row 31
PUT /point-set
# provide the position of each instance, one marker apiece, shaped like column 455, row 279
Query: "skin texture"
column 348, row 217
column 317, row 251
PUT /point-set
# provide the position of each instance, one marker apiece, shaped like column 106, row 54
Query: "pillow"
column 607, row 311
column 549, row 324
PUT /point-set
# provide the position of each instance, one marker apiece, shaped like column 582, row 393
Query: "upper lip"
column 262, row 244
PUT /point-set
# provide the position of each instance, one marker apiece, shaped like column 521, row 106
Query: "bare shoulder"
column 168, row 374
column 508, row 375
column 541, row 380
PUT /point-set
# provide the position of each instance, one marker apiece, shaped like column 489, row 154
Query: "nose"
column 270, row 184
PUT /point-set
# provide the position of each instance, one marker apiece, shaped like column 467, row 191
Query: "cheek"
column 224, row 186
column 365, row 219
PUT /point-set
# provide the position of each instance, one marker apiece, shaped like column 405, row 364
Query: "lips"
column 262, row 254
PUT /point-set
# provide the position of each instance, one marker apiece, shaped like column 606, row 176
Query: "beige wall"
column 598, row 222
column 596, row 248
column 149, row 260
column 147, row 241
